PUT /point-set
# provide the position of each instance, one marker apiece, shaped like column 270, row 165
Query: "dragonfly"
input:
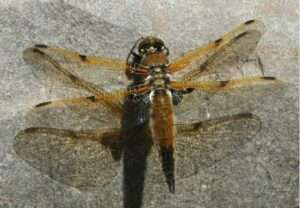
column 137, row 123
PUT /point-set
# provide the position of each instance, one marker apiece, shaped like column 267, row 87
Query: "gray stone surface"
column 262, row 174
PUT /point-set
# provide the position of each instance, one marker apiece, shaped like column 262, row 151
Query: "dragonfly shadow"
column 136, row 146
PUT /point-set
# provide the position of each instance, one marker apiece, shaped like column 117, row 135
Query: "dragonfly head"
column 150, row 44
column 146, row 53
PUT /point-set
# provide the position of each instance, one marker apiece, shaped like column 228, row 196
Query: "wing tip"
column 30, row 130
column 41, row 46
column 83, row 57
column 249, row 22
column 254, row 24
column 42, row 104
column 30, row 53
column 218, row 41
column 269, row 78
column 274, row 80
column 19, row 138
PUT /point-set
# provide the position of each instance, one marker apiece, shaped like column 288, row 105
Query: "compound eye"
column 144, row 48
column 159, row 45
column 151, row 45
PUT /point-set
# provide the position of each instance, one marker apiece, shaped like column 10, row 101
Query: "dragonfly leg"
column 260, row 64
column 177, row 95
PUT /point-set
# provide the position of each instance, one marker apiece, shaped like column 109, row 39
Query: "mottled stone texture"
column 262, row 174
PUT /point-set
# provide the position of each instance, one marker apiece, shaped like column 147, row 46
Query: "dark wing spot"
column 41, row 46
column 189, row 90
column 269, row 78
column 73, row 77
column 245, row 115
column 73, row 135
column 31, row 130
column 224, row 83
column 83, row 57
column 92, row 98
column 42, row 104
column 203, row 66
column 197, row 125
column 249, row 22
column 241, row 35
column 35, row 50
column 217, row 42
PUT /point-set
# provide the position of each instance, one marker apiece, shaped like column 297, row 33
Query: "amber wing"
column 220, row 56
column 84, row 62
column 227, row 85
column 49, row 68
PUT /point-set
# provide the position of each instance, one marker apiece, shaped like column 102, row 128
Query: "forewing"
column 81, row 159
column 83, row 113
column 50, row 69
column 224, row 55
column 229, row 86
column 83, row 62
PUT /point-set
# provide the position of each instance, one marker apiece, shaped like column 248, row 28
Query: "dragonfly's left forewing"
column 83, row 62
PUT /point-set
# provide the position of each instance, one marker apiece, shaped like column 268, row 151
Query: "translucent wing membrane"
column 201, row 144
column 71, row 142
column 77, row 158
column 92, row 101
column 80, row 102
column 84, row 113
column 83, row 61
column 84, row 159
column 221, row 55
column 223, row 86
column 51, row 68
column 219, row 126
column 210, row 141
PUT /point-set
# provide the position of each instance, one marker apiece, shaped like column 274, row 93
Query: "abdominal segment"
column 163, row 133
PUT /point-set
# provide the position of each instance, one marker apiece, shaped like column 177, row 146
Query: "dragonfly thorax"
column 158, row 78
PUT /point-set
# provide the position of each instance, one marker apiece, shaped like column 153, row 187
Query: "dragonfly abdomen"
column 163, row 132
column 162, row 119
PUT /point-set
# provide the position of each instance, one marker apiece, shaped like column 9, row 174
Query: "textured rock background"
column 262, row 174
